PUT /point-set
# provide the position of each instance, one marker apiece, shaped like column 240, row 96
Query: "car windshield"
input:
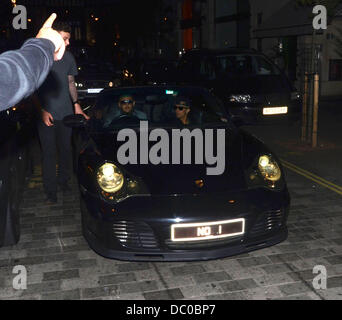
column 244, row 65
column 161, row 107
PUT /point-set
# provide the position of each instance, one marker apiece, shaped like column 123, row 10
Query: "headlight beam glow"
column 269, row 168
column 110, row 178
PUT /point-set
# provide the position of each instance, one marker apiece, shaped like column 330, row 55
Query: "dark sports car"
column 165, row 189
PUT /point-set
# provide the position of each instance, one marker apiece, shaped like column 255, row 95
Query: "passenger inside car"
column 182, row 109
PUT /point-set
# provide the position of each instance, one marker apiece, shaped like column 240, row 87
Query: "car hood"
column 252, row 85
column 179, row 178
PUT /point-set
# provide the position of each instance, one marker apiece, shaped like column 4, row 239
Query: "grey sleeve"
column 23, row 71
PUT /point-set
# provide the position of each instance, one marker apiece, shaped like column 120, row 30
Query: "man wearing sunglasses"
column 182, row 108
column 126, row 107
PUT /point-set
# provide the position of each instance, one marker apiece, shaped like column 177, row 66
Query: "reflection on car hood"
column 175, row 179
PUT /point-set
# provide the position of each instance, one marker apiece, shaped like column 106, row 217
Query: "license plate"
column 95, row 90
column 274, row 110
column 207, row 230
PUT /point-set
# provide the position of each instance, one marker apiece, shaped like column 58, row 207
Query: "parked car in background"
column 150, row 72
column 252, row 87
column 93, row 77
column 174, row 210
column 15, row 132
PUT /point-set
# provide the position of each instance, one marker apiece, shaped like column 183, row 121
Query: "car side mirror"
column 75, row 121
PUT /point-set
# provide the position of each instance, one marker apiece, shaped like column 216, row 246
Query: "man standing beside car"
column 57, row 99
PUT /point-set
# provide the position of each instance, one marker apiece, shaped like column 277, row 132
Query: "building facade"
column 284, row 31
column 280, row 29
column 93, row 22
column 213, row 24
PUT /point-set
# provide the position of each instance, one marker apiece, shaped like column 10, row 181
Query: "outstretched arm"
column 23, row 71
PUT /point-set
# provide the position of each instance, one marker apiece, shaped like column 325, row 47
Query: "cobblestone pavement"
column 60, row 264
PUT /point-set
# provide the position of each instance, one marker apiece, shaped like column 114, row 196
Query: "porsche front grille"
column 135, row 235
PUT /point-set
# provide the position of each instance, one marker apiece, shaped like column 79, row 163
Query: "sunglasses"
column 180, row 108
column 126, row 102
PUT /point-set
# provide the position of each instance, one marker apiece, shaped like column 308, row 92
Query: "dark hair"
column 125, row 96
column 62, row 26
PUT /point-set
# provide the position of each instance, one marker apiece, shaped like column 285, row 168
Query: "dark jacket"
column 23, row 71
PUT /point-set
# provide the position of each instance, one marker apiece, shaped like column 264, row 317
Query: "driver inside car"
column 126, row 105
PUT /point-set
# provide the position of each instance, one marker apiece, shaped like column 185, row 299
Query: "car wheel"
column 12, row 219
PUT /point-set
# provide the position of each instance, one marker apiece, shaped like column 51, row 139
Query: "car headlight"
column 264, row 171
column 295, row 96
column 110, row 178
column 125, row 73
column 240, row 98
column 269, row 168
column 78, row 84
